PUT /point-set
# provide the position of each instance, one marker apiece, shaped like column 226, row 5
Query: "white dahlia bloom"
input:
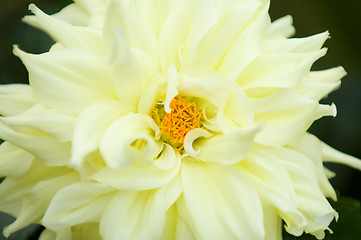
column 168, row 119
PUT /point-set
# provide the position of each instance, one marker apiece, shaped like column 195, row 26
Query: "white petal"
column 320, row 83
column 310, row 146
column 45, row 148
column 279, row 70
column 273, row 184
column 138, row 215
column 136, row 177
column 236, row 112
column 234, row 19
column 90, row 126
column 330, row 154
column 115, row 145
column 75, row 204
column 171, row 87
column 15, row 98
column 138, row 35
column 246, row 47
column 221, row 202
column 193, row 135
column 229, row 148
column 282, row 26
column 207, row 85
column 68, row 79
column 310, row 199
column 36, row 201
column 70, row 36
column 170, row 40
column 206, row 14
column 12, row 190
column 283, row 121
column 53, row 122
column 14, row 162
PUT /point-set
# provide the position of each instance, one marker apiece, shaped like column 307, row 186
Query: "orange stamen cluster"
column 183, row 118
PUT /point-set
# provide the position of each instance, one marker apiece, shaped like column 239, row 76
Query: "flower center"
column 175, row 125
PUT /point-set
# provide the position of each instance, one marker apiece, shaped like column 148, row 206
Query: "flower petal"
column 283, row 121
column 311, row 147
column 53, row 122
column 14, row 162
column 34, row 204
column 330, row 154
column 77, row 203
column 116, row 143
column 282, row 26
column 310, row 199
column 13, row 190
column 273, row 185
column 90, row 126
column 136, row 177
column 138, row 215
column 320, row 83
column 69, row 80
column 15, row 98
column 69, row 36
column 221, row 197
column 230, row 148
column 45, row 148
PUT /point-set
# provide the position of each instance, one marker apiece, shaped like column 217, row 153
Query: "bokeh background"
column 341, row 18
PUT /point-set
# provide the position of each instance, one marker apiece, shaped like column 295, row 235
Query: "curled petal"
column 130, row 138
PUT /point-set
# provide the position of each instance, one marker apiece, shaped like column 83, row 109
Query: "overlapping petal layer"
column 85, row 146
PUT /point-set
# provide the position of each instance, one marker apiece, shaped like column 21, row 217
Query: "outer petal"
column 273, row 184
column 36, row 201
column 130, row 138
column 15, row 98
column 14, row 162
column 320, row 83
column 68, row 79
column 90, row 127
column 310, row 199
column 12, row 190
column 310, row 146
column 138, row 215
column 282, row 26
column 69, row 36
column 45, row 148
column 53, row 122
column 283, row 120
column 330, row 154
column 221, row 201
column 77, row 203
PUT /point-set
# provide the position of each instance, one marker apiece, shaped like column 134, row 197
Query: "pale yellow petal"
column 15, row 98
column 77, row 203
column 221, row 201
column 130, row 138
column 69, row 36
column 90, row 127
column 14, row 162
column 45, row 148
column 68, row 80
column 53, row 122
column 35, row 204
column 228, row 149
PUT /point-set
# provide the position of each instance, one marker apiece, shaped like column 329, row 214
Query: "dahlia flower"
column 168, row 119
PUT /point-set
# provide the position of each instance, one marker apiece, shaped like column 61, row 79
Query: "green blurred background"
column 341, row 18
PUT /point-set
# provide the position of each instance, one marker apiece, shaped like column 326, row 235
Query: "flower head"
column 168, row 120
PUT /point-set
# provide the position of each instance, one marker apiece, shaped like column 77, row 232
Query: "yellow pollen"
column 176, row 124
